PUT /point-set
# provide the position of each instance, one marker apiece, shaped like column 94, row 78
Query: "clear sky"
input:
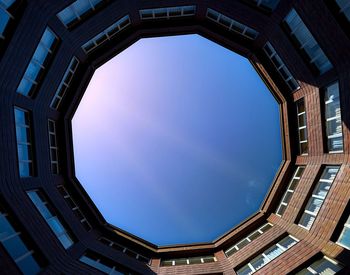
column 177, row 140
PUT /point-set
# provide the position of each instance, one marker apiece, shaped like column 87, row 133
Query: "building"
column 48, row 53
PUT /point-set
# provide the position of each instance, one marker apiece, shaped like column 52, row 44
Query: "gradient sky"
column 177, row 140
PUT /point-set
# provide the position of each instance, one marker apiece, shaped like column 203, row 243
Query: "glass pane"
column 259, row 262
column 245, row 270
column 4, row 19
column 15, row 247
column 314, row 205
column 307, row 220
column 67, row 15
column 56, row 225
column 28, row 265
column 81, row 6
column 6, row 228
column 48, row 38
column 325, row 267
column 273, row 252
column 344, row 238
column 24, row 169
column 287, row 242
column 66, row 241
column 24, row 87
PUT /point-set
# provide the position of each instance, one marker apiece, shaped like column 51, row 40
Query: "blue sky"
column 177, row 140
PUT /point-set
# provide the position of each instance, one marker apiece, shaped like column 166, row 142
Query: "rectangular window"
column 18, row 245
column 65, row 83
column 281, row 67
column 231, row 24
column 48, row 213
column 188, row 261
column 125, row 250
column 53, row 146
column 324, row 266
column 102, row 264
column 302, row 127
column 242, row 243
column 75, row 208
column 333, row 122
column 318, row 196
column 306, row 43
column 107, row 34
column 78, row 11
column 290, row 190
column 38, row 64
column 167, row 13
column 268, row 5
column 24, row 142
column 268, row 255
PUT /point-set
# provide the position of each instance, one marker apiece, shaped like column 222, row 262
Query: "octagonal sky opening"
column 177, row 140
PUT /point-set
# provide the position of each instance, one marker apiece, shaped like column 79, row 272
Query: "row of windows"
column 167, row 13
column 78, row 10
column 318, row 196
column 38, row 64
column 231, row 24
column 125, row 250
column 53, row 146
column 65, row 83
column 17, row 245
column 47, row 211
column 107, row 34
column 331, row 113
column 75, row 208
column 306, row 43
column 102, row 264
column 281, row 67
column 252, row 236
column 268, row 255
column 324, row 266
column 188, row 261
column 290, row 191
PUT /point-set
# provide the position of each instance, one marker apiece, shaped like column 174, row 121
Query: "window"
column 38, row 64
column 306, row 43
column 125, row 250
column 102, row 264
column 344, row 238
column 344, row 8
column 65, row 83
column 281, row 67
column 167, row 13
column 24, row 143
column 231, row 24
column 18, row 245
column 78, row 10
column 48, row 213
column 267, row 256
column 242, row 243
column 75, row 208
column 107, row 34
column 268, row 5
column 332, row 115
column 290, row 190
column 188, row 261
column 53, row 146
column 302, row 127
column 5, row 16
column 318, row 196
column 324, row 266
